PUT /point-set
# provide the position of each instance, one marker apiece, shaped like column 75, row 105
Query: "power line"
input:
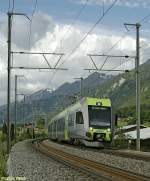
column 9, row 4
column 76, row 18
column 92, row 28
column 31, row 20
column 122, row 37
column 124, row 34
column 73, row 23
column 43, row 54
column 144, row 18
column 115, row 67
column 37, row 68
column 107, row 57
column 13, row 5
column 104, row 63
column 36, row 53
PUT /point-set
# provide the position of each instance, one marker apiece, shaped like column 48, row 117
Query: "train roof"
column 84, row 101
column 97, row 101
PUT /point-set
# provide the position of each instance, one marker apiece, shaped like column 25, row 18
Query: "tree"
column 40, row 123
column 12, row 132
column 4, row 128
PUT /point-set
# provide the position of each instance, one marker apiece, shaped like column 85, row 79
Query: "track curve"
column 97, row 169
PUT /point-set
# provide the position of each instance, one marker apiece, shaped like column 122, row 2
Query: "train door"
column 58, row 129
column 63, row 128
column 79, row 124
column 52, row 133
column 55, row 129
column 71, row 128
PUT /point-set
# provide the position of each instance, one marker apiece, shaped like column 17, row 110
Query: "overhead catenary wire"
column 69, row 28
column 142, row 20
column 86, row 35
column 34, row 12
column 9, row 4
column 115, row 67
column 75, row 19
column 104, row 63
column 31, row 21
column 91, row 29
column 73, row 22
column 124, row 35
column 13, row 5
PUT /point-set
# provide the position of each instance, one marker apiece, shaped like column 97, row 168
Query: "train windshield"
column 99, row 117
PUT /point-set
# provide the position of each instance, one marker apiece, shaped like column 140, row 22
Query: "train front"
column 100, row 119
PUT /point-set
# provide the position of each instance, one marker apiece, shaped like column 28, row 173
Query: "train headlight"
column 91, row 129
column 108, row 129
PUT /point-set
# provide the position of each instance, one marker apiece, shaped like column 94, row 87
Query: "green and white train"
column 88, row 121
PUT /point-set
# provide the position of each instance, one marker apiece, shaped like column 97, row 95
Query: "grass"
column 2, row 155
column 20, row 136
column 122, row 123
column 147, row 124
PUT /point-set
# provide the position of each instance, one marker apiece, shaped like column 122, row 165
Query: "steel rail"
column 144, row 156
column 127, row 154
column 88, row 165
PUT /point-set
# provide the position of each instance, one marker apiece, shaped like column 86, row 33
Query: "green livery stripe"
column 107, row 133
column 94, row 101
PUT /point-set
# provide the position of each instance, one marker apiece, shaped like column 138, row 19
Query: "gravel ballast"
column 26, row 163
column 128, row 164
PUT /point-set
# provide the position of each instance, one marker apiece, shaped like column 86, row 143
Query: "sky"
column 61, row 26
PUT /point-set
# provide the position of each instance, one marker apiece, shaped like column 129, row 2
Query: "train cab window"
column 79, row 118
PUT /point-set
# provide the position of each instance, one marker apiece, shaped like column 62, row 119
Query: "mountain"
column 121, row 89
column 46, row 101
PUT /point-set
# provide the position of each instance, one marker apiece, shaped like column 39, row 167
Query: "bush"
column 121, row 141
column 2, row 155
column 41, row 134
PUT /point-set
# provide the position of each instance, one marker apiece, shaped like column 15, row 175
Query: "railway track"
column 113, row 151
column 94, row 168
column 129, row 154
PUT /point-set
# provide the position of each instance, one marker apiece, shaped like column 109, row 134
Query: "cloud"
column 41, row 24
column 53, row 37
column 128, row 3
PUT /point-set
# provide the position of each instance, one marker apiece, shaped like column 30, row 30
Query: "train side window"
column 79, row 118
column 70, row 120
column 58, row 125
column 63, row 124
column 52, row 126
column 55, row 126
